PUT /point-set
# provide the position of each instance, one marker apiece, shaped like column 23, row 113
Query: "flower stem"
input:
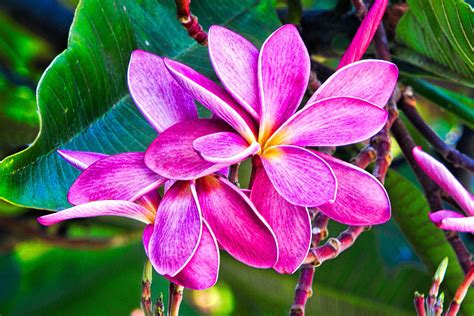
column 419, row 302
column 190, row 21
column 145, row 303
column 461, row 293
column 175, row 298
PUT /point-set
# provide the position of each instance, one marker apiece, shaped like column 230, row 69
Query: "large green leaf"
column 410, row 210
column 437, row 36
column 83, row 97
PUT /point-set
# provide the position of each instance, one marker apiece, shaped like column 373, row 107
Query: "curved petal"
column 234, row 60
column 300, row 176
column 224, row 147
column 335, row 121
column 213, row 97
column 365, row 33
column 371, row 80
column 202, row 270
column 80, row 159
column 177, row 230
column 283, row 75
column 361, row 199
column 172, row 154
column 290, row 223
column 118, row 177
column 450, row 220
column 238, row 226
column 147, row 232
column 151, row 200
column 160, row 99
column 445, row 179
column 100, row 208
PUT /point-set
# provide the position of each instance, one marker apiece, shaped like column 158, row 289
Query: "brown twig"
column 458, row 159
column 360, row 7
column 419, row 302
column 190, row 21
column 461, row 293
column 365, row 157
column 175, row 298
column 159, row 307
column 234, row 174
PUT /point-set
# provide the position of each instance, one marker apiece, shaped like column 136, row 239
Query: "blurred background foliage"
column 93, row 266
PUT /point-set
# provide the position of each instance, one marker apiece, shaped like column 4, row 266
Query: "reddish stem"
column 461, row 293
column 190, row 21
column 420, row 304
column 175, row 298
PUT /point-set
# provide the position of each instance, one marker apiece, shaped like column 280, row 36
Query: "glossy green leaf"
column 83, row 97
column 437, row 36
column 410, row 210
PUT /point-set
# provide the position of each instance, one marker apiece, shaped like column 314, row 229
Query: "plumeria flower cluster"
column 447, row 219
column 254, row 117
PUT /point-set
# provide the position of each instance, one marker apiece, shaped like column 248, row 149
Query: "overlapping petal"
column 331, row 122
column 283, row 75
column 147, row 233
column 365, row 33
column 80, row 159
column 371, row 80
column 202, row 270
column 215, row 98
column 445, row 179
column 450, row 220
column 299, row 175
column 224, row 147
column 118, row 177
column 160, row 99
column 177, row 230
column 101, row 208
column 235, row 60
column 238, row 226
column 361, row 199
column 290, row 223
column 172, row 154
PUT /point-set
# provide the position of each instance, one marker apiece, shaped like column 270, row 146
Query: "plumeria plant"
column 313, row 141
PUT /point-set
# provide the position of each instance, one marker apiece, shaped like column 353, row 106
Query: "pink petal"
column 365, row 33
column 371, row 80
column 300, row 176
column 331, row 122
column 290, row 223
column 157, row 95
column 445, row 179
column 449, row 220
column 235, row 62
column 202, row 270
column 283, row 75
column 150, row 200
column 80, row 159
column 177, row 231
column 361, row 199
column 224, row 147
column 100, row 208
column 172, row 154
column 118, row 177
column 147, row 233
column 215, row 98
column 238, row 226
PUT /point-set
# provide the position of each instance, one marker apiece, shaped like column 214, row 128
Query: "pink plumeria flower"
column 446, row 219
column 183, row 229
column 262, row 91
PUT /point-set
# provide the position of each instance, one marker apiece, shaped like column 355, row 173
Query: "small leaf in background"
column 437, row 36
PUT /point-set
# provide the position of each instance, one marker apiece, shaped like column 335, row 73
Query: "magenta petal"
column 238, row 226
column 157, row 95
column 215, row 98
column 365, row 33
column 450, row 220
column 118, row 177
column 100, row 208
column 224, row 147
column 445, row 179
column 331, row 122
column 147, row 232
column 290, row 223
column 300, row 176
column 371, row 80
column 80, row 159
column 202, row 270
column 235, row 62
column 172, row 154
column 361, row 199
column 283, row 75
column 177, row 231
